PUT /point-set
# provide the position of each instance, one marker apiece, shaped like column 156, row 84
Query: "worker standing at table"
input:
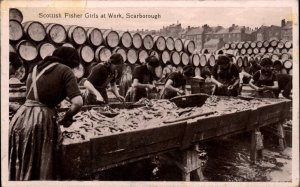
column 143, row 79
column 34, row 135
column 175, row 83
column 225, row 76
column 285, row 81
column 264, row 81
column 100, row 77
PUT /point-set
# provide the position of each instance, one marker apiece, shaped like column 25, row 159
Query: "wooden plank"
column 75, row 160
column 135, row 139
column 271, row 114
column 113, row 158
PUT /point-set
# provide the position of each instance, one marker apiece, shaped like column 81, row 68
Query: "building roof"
column 194, row 31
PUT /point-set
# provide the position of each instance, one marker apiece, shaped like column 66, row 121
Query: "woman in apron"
column 100, row 77
column 34, row 135
column 265, row 81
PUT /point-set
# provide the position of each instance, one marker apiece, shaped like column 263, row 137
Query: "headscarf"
column 64, row 55
column 188, row 71
column 152, row 61
column 116, row 59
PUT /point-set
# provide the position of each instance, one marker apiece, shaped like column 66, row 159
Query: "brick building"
column 268, row 33
column 195, row 34
column 286, row 30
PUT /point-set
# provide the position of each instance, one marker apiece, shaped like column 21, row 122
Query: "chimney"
column 283, row 23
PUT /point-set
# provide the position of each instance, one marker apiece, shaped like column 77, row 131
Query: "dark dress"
column 144, row 76
column 261, row 79
column 178, row 81
column 100, row 77
column 227, row 78
column 34, row 135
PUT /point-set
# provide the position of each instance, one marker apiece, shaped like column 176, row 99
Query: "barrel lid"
column 27, row 50
column 15, row 14
column 184, row 58
column 137, row 40
column 102, row 54
column 203, row 60
column 35, row 30
column 132, row 56
column 288, row 64
column 122, row 52
column 170, row 43
column 95, row 36
column 148, row 42
column 212, row 60
column 195, row 59
column 178, row 45
column 288, row 44
column 142, row 56
column 46, row 49
column 86, row 53
column 165, row 56
column 160, row 43
column 175, row 57
column 263, row 50
column 15, row 30
column 56, row 32
column 111, row 38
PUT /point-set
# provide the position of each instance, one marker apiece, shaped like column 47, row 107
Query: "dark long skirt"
column 34, row 139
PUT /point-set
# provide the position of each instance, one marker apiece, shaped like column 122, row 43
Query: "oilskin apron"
column 34, row 138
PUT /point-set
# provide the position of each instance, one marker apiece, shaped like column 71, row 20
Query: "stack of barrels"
column 276, row 50
column 33, row 41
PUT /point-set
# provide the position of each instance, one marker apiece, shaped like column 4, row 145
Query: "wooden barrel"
column 276, row 51
column 263, row 50
column 120, row 51
column 159, row 43
column 195, row 59
column 280, row 45
column 266, row 43
column 170, row 43
column 245, row 61
column 287, row 64
column 273, row 43
column 197, row 72
column 243, row 51
column 204, row 51
column 125, row 39
column 137, row 40
column 284, row 56
column 255, row 50
column 102, row 54
column 76, row 34
column 267, row 55
column 203, row 60
column 111, row 38
column 132, row 56
column 68, row 45
column 239, row 61
column 253, row 45
column 246, row 45
column 45, row 49
column 79, row 71
column 290, row 51
column 274, row 57
column 249, row 51
column 22, row 72
column 189, row 46
column 27, row 50
column 233, row 45
column 270, row 50
column 15, row 31
column 219, row 52
column 148, row 42
column 284, row 71
column 288, row 44
column 178, row 45
column 142, row 55
column 158, row 71
column 34, row 30
column 154, row 53
column 15, row 14
column 175, row 58
column 94, row 36
column 284, row 50
column 165, row 56
column 259, row 44
column 240, row 45
column 227, row 45
column 184, row 58
column 12, row 48
column 212, row 60
column 56, row 33
column 86, row 53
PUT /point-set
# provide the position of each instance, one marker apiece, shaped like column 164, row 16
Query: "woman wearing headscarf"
column 264, row 81
column 175, row 83
column 225, row 76
column 34, row 134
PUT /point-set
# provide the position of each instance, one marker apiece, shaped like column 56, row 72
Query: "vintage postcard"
column 154, row 93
